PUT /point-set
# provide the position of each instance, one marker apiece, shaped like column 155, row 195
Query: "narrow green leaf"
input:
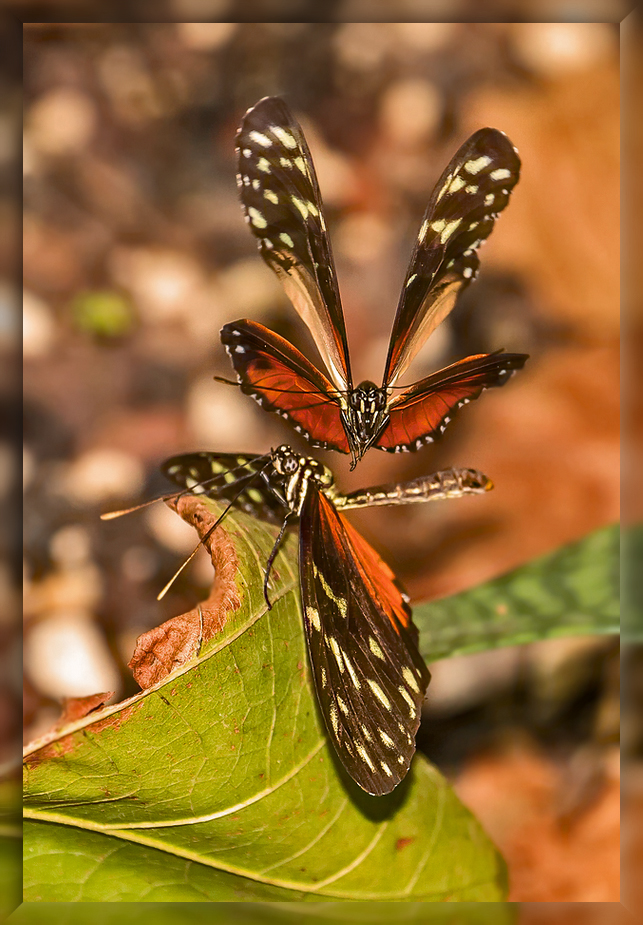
column 573, row 591
column 218, row 785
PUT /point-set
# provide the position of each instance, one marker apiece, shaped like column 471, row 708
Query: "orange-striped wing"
column 369, row 675
column 420, row 414
column 281, row 379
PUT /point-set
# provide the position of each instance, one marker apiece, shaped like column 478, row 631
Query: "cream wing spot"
column 478, row 164
column 260, row 139
column 500, row 174
column 366, row 758
column 375, row 648
column 263, row 165
column 386, row 769
column 287, row 140
column 286, row 239
column 407, row 674
column 366, row 733
column 270, row 196
column 379, row 693
column 337, row 652
column 313, row 615
column 386, row 739
column 256, row 218
column 409, row 700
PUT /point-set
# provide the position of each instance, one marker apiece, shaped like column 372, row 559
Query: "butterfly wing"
column 369, row 675
column 233, row 477
column 282, row 204
column 468, row 197
column 281, row 379
column 420, row 414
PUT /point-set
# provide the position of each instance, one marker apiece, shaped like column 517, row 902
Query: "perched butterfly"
column 369, row 675
column 282, row 204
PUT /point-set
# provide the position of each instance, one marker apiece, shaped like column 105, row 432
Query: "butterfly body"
column 282, row 204
column 369, row 676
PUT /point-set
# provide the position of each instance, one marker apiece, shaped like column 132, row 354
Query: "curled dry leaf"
column 166, row 647
column 74, row 708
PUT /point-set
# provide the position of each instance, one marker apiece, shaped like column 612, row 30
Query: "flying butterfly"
column 282, row 204
column 369, row 676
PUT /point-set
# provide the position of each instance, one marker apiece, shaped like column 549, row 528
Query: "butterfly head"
column 365, row 417
column 298, row 473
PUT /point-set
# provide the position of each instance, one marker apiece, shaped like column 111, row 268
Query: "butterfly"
column 369, row 676
column 282, row 205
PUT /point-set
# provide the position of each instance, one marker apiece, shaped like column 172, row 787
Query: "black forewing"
column 282, row 204
column 369, row 675
column 474, row 188
column 230, row 477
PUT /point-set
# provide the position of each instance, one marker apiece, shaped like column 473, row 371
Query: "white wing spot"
column 488, row 199
column 247, row 152
column 379, row 693
column 472, row 189
column 500, row 174
column 478, row 164
column 287, row 140
column 467, row 272
column 256, row 184
column 410, row 280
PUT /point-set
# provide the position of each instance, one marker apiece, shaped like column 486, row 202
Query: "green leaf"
column 218, row 785
column 271, row 913
column 573, row 591
column 10, row 847
column 633, row 584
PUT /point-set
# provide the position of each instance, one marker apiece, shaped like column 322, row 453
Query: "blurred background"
column 136, row 253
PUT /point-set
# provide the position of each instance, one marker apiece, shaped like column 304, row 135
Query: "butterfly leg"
column 272, row 556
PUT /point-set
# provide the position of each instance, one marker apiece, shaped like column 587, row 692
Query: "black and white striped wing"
column 369, row 675
column 473, row 190
column 282, row 204
column 234, row 477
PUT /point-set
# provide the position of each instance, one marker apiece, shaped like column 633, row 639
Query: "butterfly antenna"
column 271, row 558
column 209, row 533
column 225, row 381
column 112, row 515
